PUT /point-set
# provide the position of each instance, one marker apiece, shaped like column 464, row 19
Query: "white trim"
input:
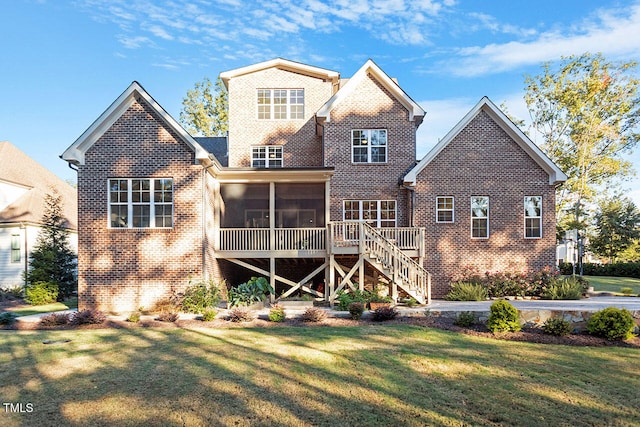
column 556, row 176
column 268, row 149
column 76, row 152
column 472, row 217
column 130, row 204
column 272, row 105
column 283, row 64
column 416, row 113
column 525, row 217
column 369, row 146
column 452, row 210
column 378, row 202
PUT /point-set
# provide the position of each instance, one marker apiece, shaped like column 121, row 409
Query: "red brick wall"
column 370, row 106
column 483, row 161
column 120, row 269
column 301, row 146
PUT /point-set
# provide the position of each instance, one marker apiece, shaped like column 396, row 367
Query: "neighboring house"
column 316, row 188
column 24, row 183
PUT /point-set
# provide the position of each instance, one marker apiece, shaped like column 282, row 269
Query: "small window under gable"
column 141, row 203
column 280, row 104
column 480, row 217
column 369, row 146
column 533, row 217
column 444, row 209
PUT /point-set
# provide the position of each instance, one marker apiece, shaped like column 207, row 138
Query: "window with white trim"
column 480, row 217
column 280, row 104
column 533, row 217
column 266, row 156
column 16, row 252
column 378, row 213
column 141, row 203
column 444, row 209
column 369, row 146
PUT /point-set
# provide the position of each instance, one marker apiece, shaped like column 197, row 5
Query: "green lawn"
column 614, row 284
column 46, row 308
column 310, row 376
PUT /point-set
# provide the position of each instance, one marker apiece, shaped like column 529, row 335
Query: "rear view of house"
column 316, row 188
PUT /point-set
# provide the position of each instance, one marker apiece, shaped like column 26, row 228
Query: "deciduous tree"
column 205, row 109
column 617, row 224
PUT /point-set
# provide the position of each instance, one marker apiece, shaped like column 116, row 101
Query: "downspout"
column 412, row 203
column 205, row 236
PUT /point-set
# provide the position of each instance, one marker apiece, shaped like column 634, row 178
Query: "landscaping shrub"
column 503, row 317
column 253, row 291
column 7, row 318
column 569, row 288
column 411, row 302
column 356, row 309
column 39, row 293
column 88, row 317
column 241, row 314
column 55, row 319
column 10, row 294
column 209, row 314
column 381, row 314
column 626, row 291
column 615, row 324
column 467, row 291
column 276, row 314
column 620, row 269
column 134, row 317
column 345, row 298
column 465, row 319
column 557, row 326
column 503, row 283
column 201, row 295
column 314, row 314
column 168, row 316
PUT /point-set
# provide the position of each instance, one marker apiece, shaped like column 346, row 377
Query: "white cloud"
column 134, row 42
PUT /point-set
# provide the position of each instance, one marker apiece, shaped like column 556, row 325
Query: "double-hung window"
column 378, row 213
column 280, row 104
column 533, row 217
column 141, row 203
column 369, row 146
column 480, row 217
column 266, row 156
column 444, row 209
column 16, row 253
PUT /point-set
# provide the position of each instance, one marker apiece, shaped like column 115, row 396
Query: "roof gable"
column 75, row 153
column 283, row 64
column 556, row 176
column 370, row 68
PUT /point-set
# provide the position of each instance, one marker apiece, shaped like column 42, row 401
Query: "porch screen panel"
column 244, row 205
column 300, row 205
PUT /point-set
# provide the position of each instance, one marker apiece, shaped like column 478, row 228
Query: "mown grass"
column 614, row 284
column 45, row 308
column 311, row 376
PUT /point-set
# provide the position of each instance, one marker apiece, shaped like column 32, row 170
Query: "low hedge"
column 621, row 269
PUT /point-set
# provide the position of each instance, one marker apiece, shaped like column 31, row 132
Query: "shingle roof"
column 19, row 169
column 216, row 145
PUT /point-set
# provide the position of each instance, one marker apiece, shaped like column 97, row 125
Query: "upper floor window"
column 369, row 145
column 141, row 203
column 280, row 104
column 266, row 156
column 378, row 213
column 479, row 217
column 16, row 254
column 444, row 209
column 533, row 217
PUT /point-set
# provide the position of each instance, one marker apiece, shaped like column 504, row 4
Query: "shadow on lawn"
column 373, row 375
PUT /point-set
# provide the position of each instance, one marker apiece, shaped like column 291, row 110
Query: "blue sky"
column 64, row 62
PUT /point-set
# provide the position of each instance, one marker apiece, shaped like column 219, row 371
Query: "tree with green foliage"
column 586, row 109
column 205, row 109
column 52, row 259
column 617, row 225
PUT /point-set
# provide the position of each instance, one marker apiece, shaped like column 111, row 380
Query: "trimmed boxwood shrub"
column 557, row 326
column 503, row 318
column 276, row 314
column 612, row 323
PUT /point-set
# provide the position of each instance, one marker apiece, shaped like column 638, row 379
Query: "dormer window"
column 280, row 104
column 266, row 156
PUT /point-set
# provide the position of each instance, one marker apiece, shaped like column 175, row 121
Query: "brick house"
column 316, row 187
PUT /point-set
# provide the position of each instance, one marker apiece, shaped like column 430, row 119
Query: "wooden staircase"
column 385, row 256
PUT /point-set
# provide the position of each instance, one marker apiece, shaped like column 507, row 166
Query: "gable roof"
column 18, row 169
column 556, row 176
column 283, row 64
column 75, row 153
column 370, row 68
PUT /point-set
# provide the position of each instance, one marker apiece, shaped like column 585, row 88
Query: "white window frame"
column 273, row 154
column 16, row 248
column 361, row 210
column 364, row 137
column 532, row 217
column 474, row 216
column 279, row 104
column 158, row 199
column 439, row 210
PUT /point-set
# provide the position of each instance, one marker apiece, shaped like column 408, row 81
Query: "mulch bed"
column 532, row 335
